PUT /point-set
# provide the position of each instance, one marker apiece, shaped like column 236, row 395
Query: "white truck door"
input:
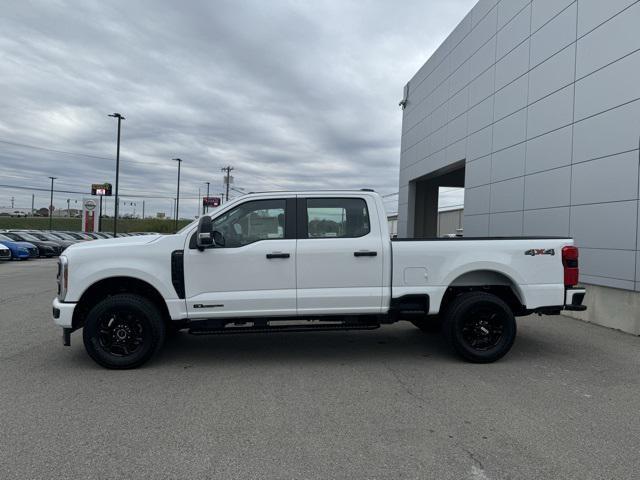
column 253, row 273
column 339, row 257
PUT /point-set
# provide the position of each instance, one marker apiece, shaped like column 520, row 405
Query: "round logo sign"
column 90, row 205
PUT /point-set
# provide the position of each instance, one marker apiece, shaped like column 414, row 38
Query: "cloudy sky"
column 292, row 94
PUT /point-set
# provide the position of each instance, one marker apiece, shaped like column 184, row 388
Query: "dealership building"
column 534, row 108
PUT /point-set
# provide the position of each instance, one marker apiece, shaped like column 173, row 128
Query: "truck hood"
column 114, row 242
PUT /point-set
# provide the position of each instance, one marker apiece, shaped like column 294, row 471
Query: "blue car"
column 19, row 250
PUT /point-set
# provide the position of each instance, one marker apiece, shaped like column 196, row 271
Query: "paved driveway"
column 390, row 404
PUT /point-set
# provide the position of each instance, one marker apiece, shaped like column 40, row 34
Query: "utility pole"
column 178, row 192
column 143, row 209
column 207, row 207
column 51, row 205
column 68, row 208
column 115, row 215
column 12, row 199
column 198, row 204
column 33, row 201
column 227, row 178
column 100, row 215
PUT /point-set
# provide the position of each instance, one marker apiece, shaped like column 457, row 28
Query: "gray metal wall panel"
column 548, row 189
column 508, row 163
column 545, row 10
column 508, row 195
column 507, row 224
column 548, row 151
column 554, row 36
column 548, row 221
column 608, row 179
column 595, row 12
column 553, row 74
column 476, row 225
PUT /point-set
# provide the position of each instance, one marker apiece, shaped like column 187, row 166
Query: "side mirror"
column 218, row 238
column 204, row 237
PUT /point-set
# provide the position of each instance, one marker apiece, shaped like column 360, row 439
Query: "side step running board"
column 281, row 328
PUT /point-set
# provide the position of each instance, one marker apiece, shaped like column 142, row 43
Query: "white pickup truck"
column 303, row 261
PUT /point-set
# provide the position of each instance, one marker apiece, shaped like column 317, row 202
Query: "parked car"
column 5, row 252
column 318, row 261
column 19, row 250
column 101, row 235
column 86, row 236
column 45, row 248
column 48, row 237
column 92, row 235
column 65, row 236
column 78, row 236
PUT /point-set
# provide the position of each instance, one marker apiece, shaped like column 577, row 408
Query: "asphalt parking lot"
column 392, row 403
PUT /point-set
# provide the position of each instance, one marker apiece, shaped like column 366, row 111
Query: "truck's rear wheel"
column 123, row 331
column 480, row 327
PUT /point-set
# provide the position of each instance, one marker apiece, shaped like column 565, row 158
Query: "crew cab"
column 307, row 261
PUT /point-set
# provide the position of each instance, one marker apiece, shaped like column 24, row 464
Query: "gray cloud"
column 292, row 94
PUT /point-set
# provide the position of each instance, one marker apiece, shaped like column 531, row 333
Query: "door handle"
column 365, row 254
column 277, row 255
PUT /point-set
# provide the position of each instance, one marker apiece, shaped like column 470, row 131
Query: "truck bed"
column 532, row 266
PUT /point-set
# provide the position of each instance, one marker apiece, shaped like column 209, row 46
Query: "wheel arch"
column 494, row 281
column 107, row 287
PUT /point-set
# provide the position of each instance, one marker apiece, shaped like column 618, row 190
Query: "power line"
column 132, row 195
column 53, row 150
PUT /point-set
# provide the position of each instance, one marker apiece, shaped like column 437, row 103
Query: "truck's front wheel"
column 123, row 331
column 480, row 327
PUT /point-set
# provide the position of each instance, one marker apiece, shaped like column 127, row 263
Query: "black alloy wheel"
column 480, row 327
column 123, row 331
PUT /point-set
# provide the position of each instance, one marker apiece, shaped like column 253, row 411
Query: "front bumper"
column 63, row 313
column 573, row 299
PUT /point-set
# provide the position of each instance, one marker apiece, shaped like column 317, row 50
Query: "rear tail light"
column 570, row 264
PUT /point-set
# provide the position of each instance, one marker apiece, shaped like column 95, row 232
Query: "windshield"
column 61, row 236
column 39, row 236
column 25, row 236
column 6, row 239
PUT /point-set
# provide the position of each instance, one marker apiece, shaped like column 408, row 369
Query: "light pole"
column 115, row 216
column 198, row 204
column 207, row 207
column 178, row 192
column 51, row 205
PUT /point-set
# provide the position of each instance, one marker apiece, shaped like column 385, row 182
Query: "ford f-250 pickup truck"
column 304, row 261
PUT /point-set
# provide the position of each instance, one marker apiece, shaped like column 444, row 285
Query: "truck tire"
column 480, row 327
column 123, row 331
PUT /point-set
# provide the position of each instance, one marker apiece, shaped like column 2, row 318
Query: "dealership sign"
column 89, row 215
column 211, row 201
column 101, row 189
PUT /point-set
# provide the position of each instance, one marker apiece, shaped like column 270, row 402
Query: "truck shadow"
column 395, row 342
column 325, row 347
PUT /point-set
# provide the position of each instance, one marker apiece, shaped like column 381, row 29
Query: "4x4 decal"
column 540, row 251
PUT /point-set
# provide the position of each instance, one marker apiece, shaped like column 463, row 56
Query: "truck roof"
column 314, row 192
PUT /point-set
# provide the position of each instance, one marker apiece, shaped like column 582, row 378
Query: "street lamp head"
column 117, row 115
column 177, row 159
